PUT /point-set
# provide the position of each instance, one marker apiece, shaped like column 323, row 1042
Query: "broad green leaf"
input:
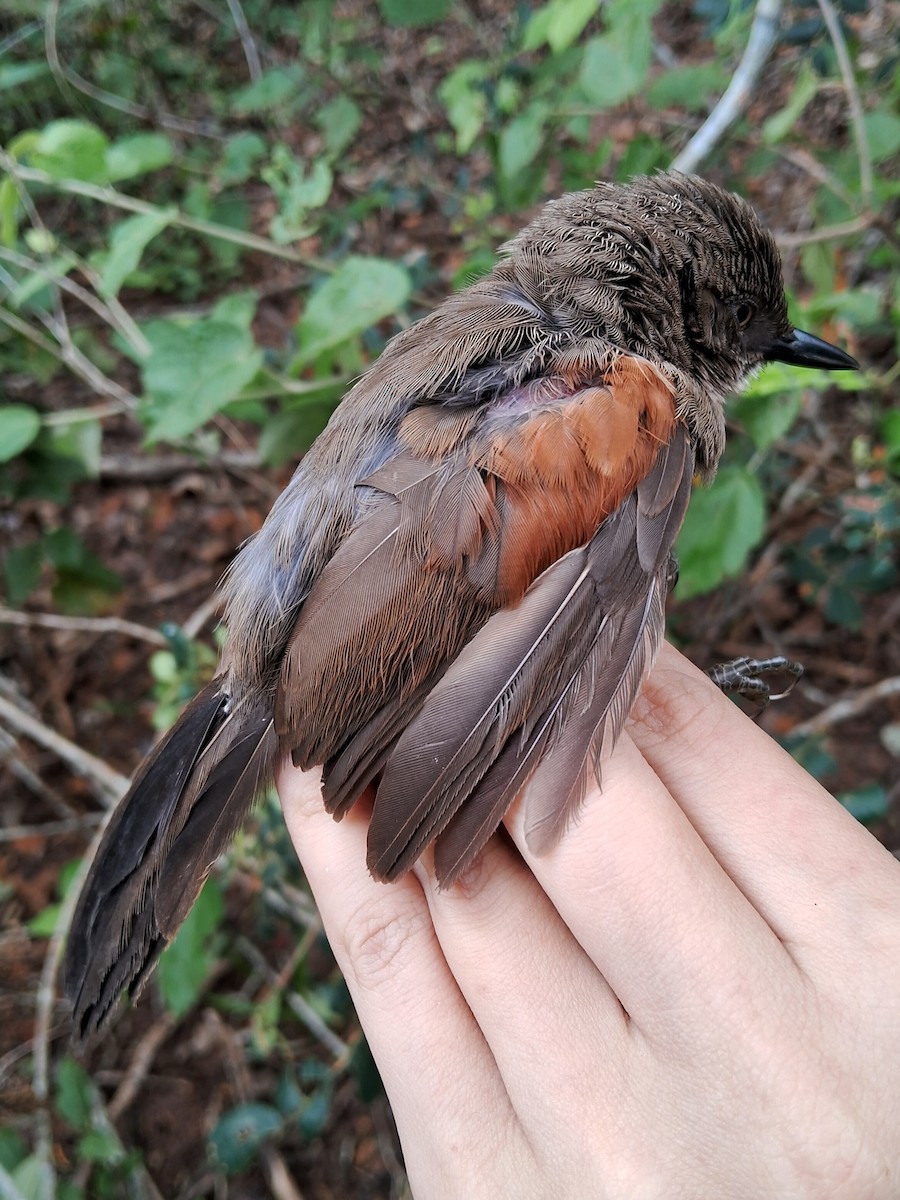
column 15, row 75
column 12, row 1148
column 137, row 155
column 84, row 584
column 687, row 87
column 22, row 572
column 558, row 24
column 100, row 1146
column 19, row 426
column 724, row 523
column 239, row 159
column 883, row 132
column 238, row 1135
column 462, row 94
column 766, row 416
column 615, row 65
column 361, row 292
column 237, row 308
column 35, row 282
column 192, row 372
column 806, row 86
column 339, row 121
column 521, row 140
column 127, row 241
column 289, row 432
column 73, row 1093
column 414, row 12
column 72, row 149
column 186, row 963
column 275, row 88
column 867, row 803
column 79, row 441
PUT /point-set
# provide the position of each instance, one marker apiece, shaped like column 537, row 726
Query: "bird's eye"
column 744, row 312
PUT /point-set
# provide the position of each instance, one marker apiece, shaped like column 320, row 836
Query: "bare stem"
column 736, row 97
column 853, row 100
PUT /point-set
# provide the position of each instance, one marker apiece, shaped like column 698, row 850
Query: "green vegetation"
column 161, row 171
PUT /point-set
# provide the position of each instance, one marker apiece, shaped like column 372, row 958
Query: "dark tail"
column 185, row 805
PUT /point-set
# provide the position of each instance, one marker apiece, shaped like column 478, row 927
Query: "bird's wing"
column 565, row 485
column 539, row 693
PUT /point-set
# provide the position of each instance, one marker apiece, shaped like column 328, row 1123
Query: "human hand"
column 696, row 994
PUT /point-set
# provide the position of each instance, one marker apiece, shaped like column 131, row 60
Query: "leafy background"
column 212, row 216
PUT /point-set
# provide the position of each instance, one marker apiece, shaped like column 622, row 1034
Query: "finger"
column 652, row 907
column 809, row 868
column 416, row 1021
column 528, row 982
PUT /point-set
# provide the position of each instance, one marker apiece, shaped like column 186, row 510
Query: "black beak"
column 803, row 350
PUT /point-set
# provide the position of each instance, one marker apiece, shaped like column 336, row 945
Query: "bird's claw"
column 747, row 677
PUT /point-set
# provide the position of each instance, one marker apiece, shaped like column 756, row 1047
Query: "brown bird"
column 458, row 594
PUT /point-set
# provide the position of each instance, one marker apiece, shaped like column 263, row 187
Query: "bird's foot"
column 749, row 677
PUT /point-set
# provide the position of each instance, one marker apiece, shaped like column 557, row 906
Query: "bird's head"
column 671, row 267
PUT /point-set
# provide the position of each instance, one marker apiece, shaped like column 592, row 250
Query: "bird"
column 456, row 598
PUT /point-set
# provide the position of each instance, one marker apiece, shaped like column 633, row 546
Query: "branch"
column 850, row 706
column 853, row 100
column 736, row 97
column 10, row 616
column 109, row 195
column 109, row 784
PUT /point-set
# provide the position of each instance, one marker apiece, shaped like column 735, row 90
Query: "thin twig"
column 854, row 102
column 108, row 784
column 248, row 45
column 143, row 633
column 825, row 233
column 109, row 310
column 13, row 833
column 109, row 195
column 849, row 706
column 110, row 99
column 9, row 755
column 71, row 356
column 736, row 97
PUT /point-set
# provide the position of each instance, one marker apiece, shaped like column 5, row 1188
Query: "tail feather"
column 177, row 817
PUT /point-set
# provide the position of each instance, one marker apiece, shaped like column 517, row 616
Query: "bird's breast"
column 559, row 454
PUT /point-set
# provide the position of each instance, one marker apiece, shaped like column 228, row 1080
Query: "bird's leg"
column 747, row 677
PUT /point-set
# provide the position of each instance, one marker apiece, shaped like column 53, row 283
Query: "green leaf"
column 186, row 963
column 883, row 132
column 19, row 426
column 867, row 803
column 339, row 121
column 100, row 1146
column 9, row 212
column 275, row 88
column 22, row 572
column 239, row 1134
column 522, row 139
column 127, row 241
column 72, row 149
column 806, row 87
column 293, row 430
column 12, row 1148
column 462, row 94
column 766, row 415
column 138, row 155
column 724, row 523
column 414, row 12
column 240, row 157
column 192, row 372
column 615, row 65
column 558, row 24
column 691, row 88
column 361, row 292
column 73, row 1094
column 84, row 584
column 17, row 74
column 78, row 441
